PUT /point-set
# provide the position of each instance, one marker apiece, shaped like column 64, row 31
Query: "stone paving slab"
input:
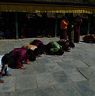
column 25, row 82
column 7, row 94
column 39, row 68
column 85, row 89
column 49, row 91
column 9, row 84
column 67, row 89
column 71, row 63
column 45, row 80
column 60, row 77
column 74, row 75
column 30, row 92
column 53, row 67
column 88, row 73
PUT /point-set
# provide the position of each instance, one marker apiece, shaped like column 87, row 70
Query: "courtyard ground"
column 72, row 74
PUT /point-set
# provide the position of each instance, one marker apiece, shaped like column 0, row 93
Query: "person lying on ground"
column 32, row 48
column 40, row 47
column 17, row 57
column 5, row 68
column 66, row 44
column 53, row 48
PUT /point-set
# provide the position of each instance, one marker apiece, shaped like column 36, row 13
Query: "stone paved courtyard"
column 72, row 74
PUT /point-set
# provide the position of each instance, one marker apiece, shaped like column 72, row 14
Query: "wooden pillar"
column 16, row 24
column 55, row 25
column 88, row 28
column 89, row 23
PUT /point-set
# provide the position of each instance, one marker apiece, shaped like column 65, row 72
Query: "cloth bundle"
column 89, row 38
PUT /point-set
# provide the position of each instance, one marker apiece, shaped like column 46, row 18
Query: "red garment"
column 63, row 27
column 76, row 33
column 21, row 56
column 64, row 24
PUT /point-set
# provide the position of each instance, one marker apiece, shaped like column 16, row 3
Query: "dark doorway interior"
column 28, row 25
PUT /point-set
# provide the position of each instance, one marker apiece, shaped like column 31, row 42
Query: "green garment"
column 55, row 47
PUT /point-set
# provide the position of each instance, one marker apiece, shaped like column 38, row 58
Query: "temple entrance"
column 27, row 25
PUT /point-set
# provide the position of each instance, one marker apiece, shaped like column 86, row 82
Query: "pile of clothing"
column 89, row 38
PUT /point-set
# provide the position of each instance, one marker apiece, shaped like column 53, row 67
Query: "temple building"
column 39, row 18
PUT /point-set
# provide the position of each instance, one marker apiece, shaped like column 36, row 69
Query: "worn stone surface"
column 72, row 74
